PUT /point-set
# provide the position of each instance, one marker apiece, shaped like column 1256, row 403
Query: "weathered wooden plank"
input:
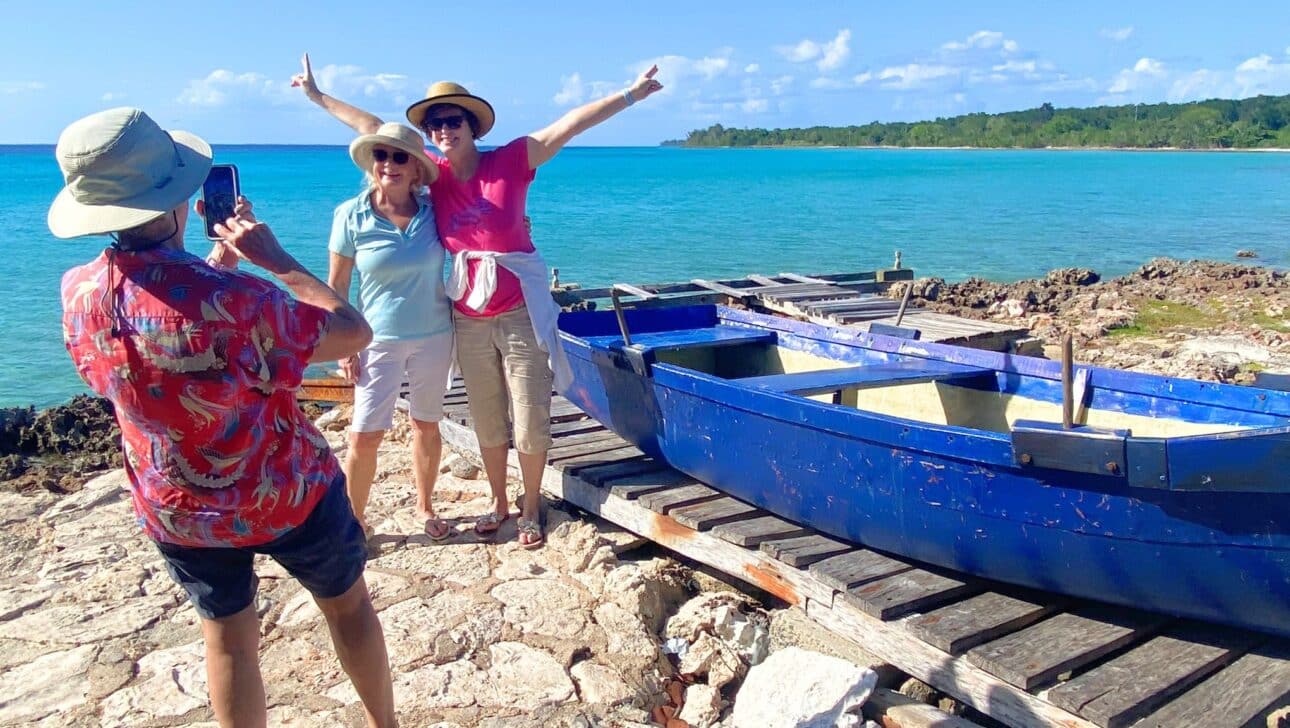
column 1134, row 684
column 894, row 710
column 568, row 440
column 890, row 641
column 734, row 293
column 570, row 427
column 856, row 567
column 754, row 531
column 1038, row 654
column 803, row 551
column 703, row 516
column 984, row 617
column 907, row 591
column 558, row 454
column 598, row 474
column 802, row 278
column 1242, row 694
column 664, row 501
column 600, row 458
column 634, row 486
column 563, row 410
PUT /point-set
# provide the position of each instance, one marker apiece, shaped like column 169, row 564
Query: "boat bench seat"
column 707, row 337
column 865, row 376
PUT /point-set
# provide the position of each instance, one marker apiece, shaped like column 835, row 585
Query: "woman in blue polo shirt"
column 388, row 235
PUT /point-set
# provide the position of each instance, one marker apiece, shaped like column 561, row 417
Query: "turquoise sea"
column 648, row 215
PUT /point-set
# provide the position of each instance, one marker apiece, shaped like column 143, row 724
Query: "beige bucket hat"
column 121, row 171
column 392, row 134
column 447, row 92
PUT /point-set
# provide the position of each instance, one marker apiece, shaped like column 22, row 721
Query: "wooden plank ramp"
column 1027, row 659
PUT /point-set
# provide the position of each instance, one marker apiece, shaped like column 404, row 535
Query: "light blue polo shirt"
column 400, row 273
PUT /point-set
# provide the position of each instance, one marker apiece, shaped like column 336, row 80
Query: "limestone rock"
column 600, row 684
column 523, row 675
column 795, row 688
column 702, row 707
column 82, row 624
column 460, row 563
column 712, row 658
column 651, row 589
column 543, row 606
column 171, row 683
column 45, row 686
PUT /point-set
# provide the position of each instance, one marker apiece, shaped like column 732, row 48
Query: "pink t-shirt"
column 486, row 212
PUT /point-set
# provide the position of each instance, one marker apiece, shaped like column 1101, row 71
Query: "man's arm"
column 346, row 332
column 355, row 118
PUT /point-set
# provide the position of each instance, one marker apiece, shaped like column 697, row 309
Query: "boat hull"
column 931, row 494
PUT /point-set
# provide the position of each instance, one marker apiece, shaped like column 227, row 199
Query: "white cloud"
column 1016, row 67
column 986, row 39
column 1118, row 35
column 828, row 55
column 1145, row 72
column 221, row 85
column 354, row 81
column 913, row 75
column 18, row 87
column 835, row 52
column 780, row 85
column 807, row 50
column 571, row 91
column 861, row 79
column 752, row 68
column 111, row 96
column 755, row 106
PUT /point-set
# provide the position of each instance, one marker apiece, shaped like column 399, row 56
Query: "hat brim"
column 360, row 150
column 71, row 219
column 482, row 110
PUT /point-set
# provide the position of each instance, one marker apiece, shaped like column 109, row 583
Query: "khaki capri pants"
column 506, row 371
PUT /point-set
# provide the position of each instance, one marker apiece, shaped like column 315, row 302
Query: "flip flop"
column 489, row 523
column 445, row 533
column 532, row 529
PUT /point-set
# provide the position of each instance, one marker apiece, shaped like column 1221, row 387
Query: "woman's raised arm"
column 544, row 144
column 355, row 118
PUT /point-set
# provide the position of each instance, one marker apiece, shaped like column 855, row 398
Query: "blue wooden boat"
column 1165, row 494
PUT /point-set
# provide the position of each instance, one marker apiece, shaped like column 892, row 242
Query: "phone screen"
column 219, row 194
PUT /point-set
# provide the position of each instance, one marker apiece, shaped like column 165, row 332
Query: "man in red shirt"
column 201, row 362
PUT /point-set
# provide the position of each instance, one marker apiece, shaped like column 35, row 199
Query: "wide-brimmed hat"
column 121, row 171
column 447, row 92
column 392, row 134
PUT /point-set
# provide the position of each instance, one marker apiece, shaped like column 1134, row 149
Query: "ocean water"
column 651, row 215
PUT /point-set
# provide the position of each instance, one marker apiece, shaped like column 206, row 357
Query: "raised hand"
column 645, row 85
column 305, row 79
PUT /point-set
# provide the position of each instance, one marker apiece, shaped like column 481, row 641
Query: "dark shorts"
column 326, row 554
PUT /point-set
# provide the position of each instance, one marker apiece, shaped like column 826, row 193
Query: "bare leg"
column 360, row 644
column 360, row 470
column 233, row 669
column 427, row 448
column 495, row 467
column 531, row 467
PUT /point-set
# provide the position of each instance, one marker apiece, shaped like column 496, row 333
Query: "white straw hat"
column 399, row 136
column 122, row 170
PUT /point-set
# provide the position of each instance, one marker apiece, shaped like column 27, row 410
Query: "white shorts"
column 385, row 365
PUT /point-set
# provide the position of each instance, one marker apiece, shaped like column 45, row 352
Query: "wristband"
column 627, row 96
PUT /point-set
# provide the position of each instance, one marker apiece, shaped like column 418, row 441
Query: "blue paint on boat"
column 1195, row 525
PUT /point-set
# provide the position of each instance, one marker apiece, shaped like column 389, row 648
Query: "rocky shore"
column 599, row 628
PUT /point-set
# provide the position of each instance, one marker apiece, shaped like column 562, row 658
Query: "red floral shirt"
column 202, row 370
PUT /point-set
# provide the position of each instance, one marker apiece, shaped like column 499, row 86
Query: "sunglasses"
column 445, row 122
column 380, row 155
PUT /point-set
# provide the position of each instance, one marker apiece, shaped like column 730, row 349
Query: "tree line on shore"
column 1258, row 122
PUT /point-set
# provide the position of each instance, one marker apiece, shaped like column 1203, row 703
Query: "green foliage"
column 1155, row 317
column 1262, row 121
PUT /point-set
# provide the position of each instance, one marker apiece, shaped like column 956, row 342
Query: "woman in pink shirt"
column 507, row 345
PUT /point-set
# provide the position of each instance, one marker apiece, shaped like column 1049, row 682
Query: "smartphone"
column 219, row 195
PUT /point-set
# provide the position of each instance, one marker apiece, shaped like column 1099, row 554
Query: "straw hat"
column 392, row 134
column 121, row 171
column 447, row 92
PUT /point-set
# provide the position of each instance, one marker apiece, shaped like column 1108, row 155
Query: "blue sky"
column 221, row 68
